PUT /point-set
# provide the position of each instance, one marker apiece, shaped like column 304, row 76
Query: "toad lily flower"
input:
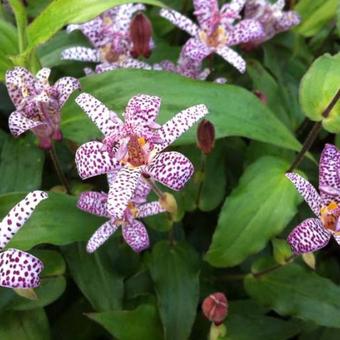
column 38, row 104
column 135, row 147
column 19, row 269
column 314, row 233
column 272, row 18
column 216, row 31
column 133, row 231
column 109, row 35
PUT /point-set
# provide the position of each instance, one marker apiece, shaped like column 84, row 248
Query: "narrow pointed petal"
column 171, row 169
column 136, row 236
column 142, row 191
column 205, row 11
column 101, row 235
column 245, row 31
column 106, row 120
column 81, row 54
column 235, row 5
column 279, row 5
column 232, row 58
column 18, row 123
column 307, row 191
column 329, row 174
column 179, row 20
column 150, row 209
column 176, row 126
column 18, row 215
column 142, row 109
column 93, row 202
column 65, row 87
column 287, row 21
column 20, row 83
column 193, row 53
column 124, row 15
column 92, row 160
column 308, row 236
column 126, row 63
column 19, row 269
column 43, row 75
column 122, row 190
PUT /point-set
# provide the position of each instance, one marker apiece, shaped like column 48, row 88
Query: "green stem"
column 201, row 178
column 275, row 267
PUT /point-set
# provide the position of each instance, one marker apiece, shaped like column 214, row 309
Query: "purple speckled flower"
column 272, row 18
column 216, row 32
column 109, row 35
column 314, row 233
column 37, row 103
column 19, row 269
column 134, row 147
column 133, row 231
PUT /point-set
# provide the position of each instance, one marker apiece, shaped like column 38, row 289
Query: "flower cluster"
column 37, row 103
column 314, row 233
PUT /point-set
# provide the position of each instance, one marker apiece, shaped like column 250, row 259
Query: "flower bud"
column 215, row 307
column 168, row 202
column 205, row 136
column 141, row 35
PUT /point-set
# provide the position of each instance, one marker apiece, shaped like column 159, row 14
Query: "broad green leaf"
column 315, row 15
column 21, row 164
column 233, row 110
column 54, row 263
column 20, row 15
column 56, row 220
column 175, row 270
column 141, row 323
column 318, row 87
column 26, row 325
column 259, row 208
column 294, row 290
column 60, row 13
column 105, row 292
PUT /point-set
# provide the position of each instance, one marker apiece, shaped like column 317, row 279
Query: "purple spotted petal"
column 20, row 84
column 329, row 174
column 124, row 15
column 176, row 126
column 149, row 209
column 232, row 58
column 179, row 20
column 308, row 236
column 18, row 215
column 336, row 237
column 235, row 6
column 19, row 269
column 142, row 191
column 81, row 54
column 279, row 5
column 101, row 235
column 92, row 160
column 307, row 191
column 136, row 236
column 93, row 202
column 142, row 109
column 65, row 87
column 193, row 52
column 122, row 190
column 18, row 123
column 106, row 120
column 126, row 62
column 287, row 21
column 245, row 31
column 171, row 169
column 206, row 11
column 43, row 75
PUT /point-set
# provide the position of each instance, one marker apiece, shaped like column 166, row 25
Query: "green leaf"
column 60, row 13
column 318, row 87
column 27, row 325
column 141, row 323
column 19, row 11
column 21, row 164
column 259, row 208
column 233, row 110
column 175, row 270
column 297, row 291
column 106, row 291
column 56, row 220
column 54, row 263
column 315, row 15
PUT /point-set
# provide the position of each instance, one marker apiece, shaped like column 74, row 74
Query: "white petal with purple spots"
column 101, row 235
column 150, row 209
column 81, row 54
column 232, row 58
column 94, row 203
column 18, row 123
column 179, row 20
column 65, row 87
column 136, row 236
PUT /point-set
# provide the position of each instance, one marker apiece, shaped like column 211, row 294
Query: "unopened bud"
column 263, row 98
column 309, row 259
column 141, row 35
column 168, row 202
column 27, row 293
column 205, row 136
column 215, row 307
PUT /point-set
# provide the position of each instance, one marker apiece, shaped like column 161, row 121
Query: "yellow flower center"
column 330, row 215
column 107, row 54
column 217, row 38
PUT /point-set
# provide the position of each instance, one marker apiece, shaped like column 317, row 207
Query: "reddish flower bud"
column 215, row 307
column 141, row 34
column 205, row 136
column 263, row 98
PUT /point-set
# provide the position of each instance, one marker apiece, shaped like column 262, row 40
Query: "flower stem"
column 314, row 132
column 271, row 269
column 154, row 187
column 201, row 173
column 58, row 170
